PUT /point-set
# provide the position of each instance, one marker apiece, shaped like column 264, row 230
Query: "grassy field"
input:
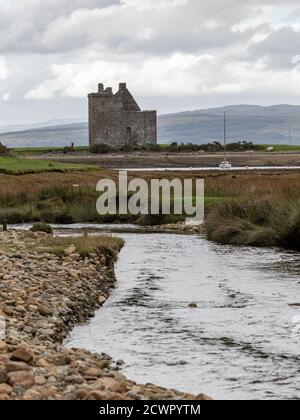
column 21, row 166
column 282, row 147
column 45, row 150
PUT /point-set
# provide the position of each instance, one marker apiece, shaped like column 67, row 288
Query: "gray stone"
column 17, row 366
column 22, row 355
column 3, row 375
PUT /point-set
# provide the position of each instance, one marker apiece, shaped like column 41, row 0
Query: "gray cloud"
column 63, row 25
column 196, row 50
column 24, row 23
column 278, row 48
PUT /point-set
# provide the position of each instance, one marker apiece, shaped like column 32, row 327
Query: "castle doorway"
column 129, row 135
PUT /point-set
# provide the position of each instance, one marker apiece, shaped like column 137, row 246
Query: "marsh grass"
column 241, row 209
column 66, row 205
column 55, row 204
column 261, row 222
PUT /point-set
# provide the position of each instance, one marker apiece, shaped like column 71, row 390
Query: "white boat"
column 225, row 165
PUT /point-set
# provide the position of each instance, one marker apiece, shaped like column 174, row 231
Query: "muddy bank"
column 165, row 160
column 42, row 296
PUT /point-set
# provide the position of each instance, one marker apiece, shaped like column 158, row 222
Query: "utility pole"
column 225, row 137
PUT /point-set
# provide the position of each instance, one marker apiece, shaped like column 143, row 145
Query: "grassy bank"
column 241, row 209
column 21, row 166
column 258, row 211
column 82, row 245
column 262, row 222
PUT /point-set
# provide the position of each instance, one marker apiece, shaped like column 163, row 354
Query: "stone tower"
column 116, row 119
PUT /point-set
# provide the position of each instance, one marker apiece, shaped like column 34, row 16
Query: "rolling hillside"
column 54, row 136
column 244, row 122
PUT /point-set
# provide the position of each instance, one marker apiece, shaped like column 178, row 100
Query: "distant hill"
column 43, row 124
column 244, row 122
column 53, row 136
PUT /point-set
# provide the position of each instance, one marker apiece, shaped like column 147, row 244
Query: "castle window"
column 107, row 131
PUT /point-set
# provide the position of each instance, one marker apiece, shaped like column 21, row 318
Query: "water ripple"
column 236, row 344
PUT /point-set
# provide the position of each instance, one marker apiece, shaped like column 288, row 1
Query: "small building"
column 116, row 119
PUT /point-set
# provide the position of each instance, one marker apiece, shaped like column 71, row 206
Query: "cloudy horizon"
column 175, row 55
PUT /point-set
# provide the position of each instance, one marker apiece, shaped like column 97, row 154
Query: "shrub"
column 127, row 148
column 173, row 147
column 68, row 150
column 42, row 227
column 101, row 149
column 154, row 147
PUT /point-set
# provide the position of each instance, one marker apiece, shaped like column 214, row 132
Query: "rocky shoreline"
column 42, row 297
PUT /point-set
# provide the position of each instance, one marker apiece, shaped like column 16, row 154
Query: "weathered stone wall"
column 150, row 126
column 117, row 119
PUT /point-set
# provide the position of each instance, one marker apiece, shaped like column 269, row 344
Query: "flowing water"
column 242, row 341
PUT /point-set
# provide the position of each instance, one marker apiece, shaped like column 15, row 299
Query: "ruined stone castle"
column 116, row 119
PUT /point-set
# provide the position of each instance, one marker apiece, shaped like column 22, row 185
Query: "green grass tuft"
column 42, row 227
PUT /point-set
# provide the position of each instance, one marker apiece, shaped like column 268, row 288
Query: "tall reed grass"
column 258, row 222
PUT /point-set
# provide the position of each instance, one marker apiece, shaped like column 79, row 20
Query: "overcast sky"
column 174, row 54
